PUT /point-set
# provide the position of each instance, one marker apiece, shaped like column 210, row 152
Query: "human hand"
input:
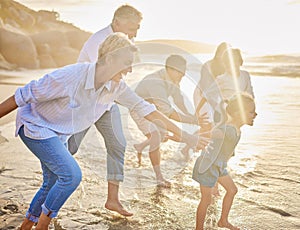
column 197, row 142
column 202, row 119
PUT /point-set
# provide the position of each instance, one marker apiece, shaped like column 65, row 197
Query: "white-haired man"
column 126, row 20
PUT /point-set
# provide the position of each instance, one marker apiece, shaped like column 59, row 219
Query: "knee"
column 48, row 183
column 155, row 141
column 232, row 191
column 206, row 200
column 118, row 147
column 76, row 178
column 73, row 177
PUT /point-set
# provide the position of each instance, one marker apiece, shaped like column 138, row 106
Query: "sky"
column 254, row 26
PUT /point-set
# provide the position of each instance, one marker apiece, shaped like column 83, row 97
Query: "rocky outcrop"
column 18, row 49
column 36, row 39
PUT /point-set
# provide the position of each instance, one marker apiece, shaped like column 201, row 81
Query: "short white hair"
column 127, row 12
column 113, row 43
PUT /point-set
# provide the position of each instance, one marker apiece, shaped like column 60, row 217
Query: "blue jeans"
column 110, row 127
column 61, row 175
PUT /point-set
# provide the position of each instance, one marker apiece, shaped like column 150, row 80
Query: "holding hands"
column 196, row 142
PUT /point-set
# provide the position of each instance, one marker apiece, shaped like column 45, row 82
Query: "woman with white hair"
column 64, row 102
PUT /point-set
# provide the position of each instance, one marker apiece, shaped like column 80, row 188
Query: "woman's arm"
column 8, row 106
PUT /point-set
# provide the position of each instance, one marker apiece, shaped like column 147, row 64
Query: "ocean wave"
column 271, row 69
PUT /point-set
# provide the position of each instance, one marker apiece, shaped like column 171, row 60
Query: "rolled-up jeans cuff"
column 32, row 218
column 112, row 177
column 48, row 212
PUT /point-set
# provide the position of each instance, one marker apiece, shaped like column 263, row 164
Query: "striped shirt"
column 65, row 102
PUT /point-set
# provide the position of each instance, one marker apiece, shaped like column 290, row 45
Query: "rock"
column 56, row 44
column 18, row 49
column 6, row 65
column 47, row 15
column 65, row 56
column 12, row 23
column 45, row 57
column 36, row 39
column 46, row 61
column 77, row 38
column 23, row 18
column 55, row 39
column 43, row 49
column 26, row 20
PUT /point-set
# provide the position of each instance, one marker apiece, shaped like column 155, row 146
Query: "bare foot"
column 185, row 153
column 138, row 147
column 163, row 183
column 139, row 156
column 117, row 207
column 139, row 150
column 226, row 224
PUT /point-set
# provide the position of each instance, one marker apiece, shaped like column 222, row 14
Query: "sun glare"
column 234, row 71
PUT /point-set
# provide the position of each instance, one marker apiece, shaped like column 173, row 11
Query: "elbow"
column 151, row 116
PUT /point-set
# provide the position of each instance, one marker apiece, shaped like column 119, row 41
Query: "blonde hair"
column 232, row 56
column 113, row 43
column 127, row 12
column 238, row 103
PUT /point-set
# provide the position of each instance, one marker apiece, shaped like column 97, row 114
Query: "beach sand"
column 268, row 184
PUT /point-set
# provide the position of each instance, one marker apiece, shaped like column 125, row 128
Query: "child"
column 210, row 167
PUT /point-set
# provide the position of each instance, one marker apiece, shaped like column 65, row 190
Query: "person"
column 206, row 93
column 64, row 102
column 127, row 20
column 234, row 79
column 156, row 88
column 206, row 96
column 211, row 166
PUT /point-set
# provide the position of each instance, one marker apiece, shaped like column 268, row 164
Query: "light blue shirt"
column 89, row 51
column 65, row 102
column 157, row 87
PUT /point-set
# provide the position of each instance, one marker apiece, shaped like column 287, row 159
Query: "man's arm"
column 129, row 99
column 179, row 101
column 160, row 119
column 8, row 106
column 184, row 118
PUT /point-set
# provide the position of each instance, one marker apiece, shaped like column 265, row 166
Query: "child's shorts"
column 210, row 177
